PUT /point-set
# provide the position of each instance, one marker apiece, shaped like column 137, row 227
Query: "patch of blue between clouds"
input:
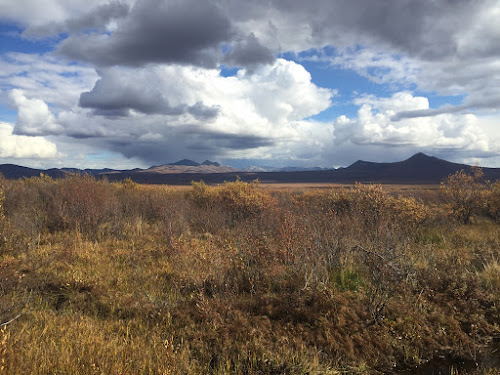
column 11, row 40
column 69, row 74
column 347, row 82
column 226, row 71
column 7, row 114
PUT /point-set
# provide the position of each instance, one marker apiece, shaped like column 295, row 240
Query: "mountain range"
column 189, row 166
column 255, row 168
column 418, row 169
column 13, row 171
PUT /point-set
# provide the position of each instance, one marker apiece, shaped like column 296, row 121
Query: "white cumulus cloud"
column 374, row 125
column 20, row 146
column 33, row 116
column 193, row 111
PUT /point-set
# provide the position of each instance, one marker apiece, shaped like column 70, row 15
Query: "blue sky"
column 132, row 83
column 11, row 41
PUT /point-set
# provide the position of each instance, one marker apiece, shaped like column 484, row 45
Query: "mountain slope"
column 419, row 169
column 15, row 171
column 189, row 166
column 172, row 169
column 185, row 162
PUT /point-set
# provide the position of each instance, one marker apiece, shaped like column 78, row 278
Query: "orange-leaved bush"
column 201, row 194
column 243, row 199
column 2, row 198
column 492, row 201
column 409, row 211
column 84, row 202
column 462, row 193
column 240, row 199
column 371, row 203
column 334, row 201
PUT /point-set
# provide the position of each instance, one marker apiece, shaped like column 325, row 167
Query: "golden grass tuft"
column 490, row 276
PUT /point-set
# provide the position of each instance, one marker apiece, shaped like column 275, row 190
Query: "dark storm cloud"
column 156, row 31
column 418, row 27
column 194, row 32
column 192, row 142
column 119, row 103
column 249, row 53
column 201, row 111
column 213, row 141
column 424, row 28
column 113, row 96
column 96, row 19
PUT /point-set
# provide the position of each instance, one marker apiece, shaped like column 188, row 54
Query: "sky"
column 134, row 83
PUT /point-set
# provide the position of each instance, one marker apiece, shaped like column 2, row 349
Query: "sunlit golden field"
column 120, row 278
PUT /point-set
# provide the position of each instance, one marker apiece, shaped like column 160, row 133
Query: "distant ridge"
column 185, row 162
column 190, row 166
column 16, row 171
column 258, row 168
column 188, row 163
column 208, row 162
column 418, row 169
column 185, row 166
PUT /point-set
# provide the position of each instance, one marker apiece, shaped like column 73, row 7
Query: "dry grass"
column 239, row 278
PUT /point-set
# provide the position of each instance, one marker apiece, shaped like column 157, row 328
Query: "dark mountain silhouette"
column 92, row 172
column 185, row 162
column 208, row 162
column 15, row 171
column 419, row 169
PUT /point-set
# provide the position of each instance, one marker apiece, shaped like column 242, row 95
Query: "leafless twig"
column 386, row 261
column 10, row 321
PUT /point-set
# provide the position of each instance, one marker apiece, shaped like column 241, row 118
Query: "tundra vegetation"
column 121, row 278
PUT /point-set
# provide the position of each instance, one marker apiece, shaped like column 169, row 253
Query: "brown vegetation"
column 121, row 278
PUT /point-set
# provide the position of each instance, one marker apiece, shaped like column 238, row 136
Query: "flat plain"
column 100, row 277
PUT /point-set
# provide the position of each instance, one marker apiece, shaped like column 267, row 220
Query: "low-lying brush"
column 119, row 278
column 492, row 202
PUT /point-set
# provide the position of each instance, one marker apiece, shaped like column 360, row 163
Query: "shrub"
column 371, row 203
column 339, row 201
column 2, row 198
column 201, row 194
column 241, row 200
column 462, row 192
column 409, row 211
column 84, row 202
column 492, row 201
column 334, row 201
column 30, row 205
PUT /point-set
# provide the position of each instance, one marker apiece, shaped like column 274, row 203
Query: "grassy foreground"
column 119, row 278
